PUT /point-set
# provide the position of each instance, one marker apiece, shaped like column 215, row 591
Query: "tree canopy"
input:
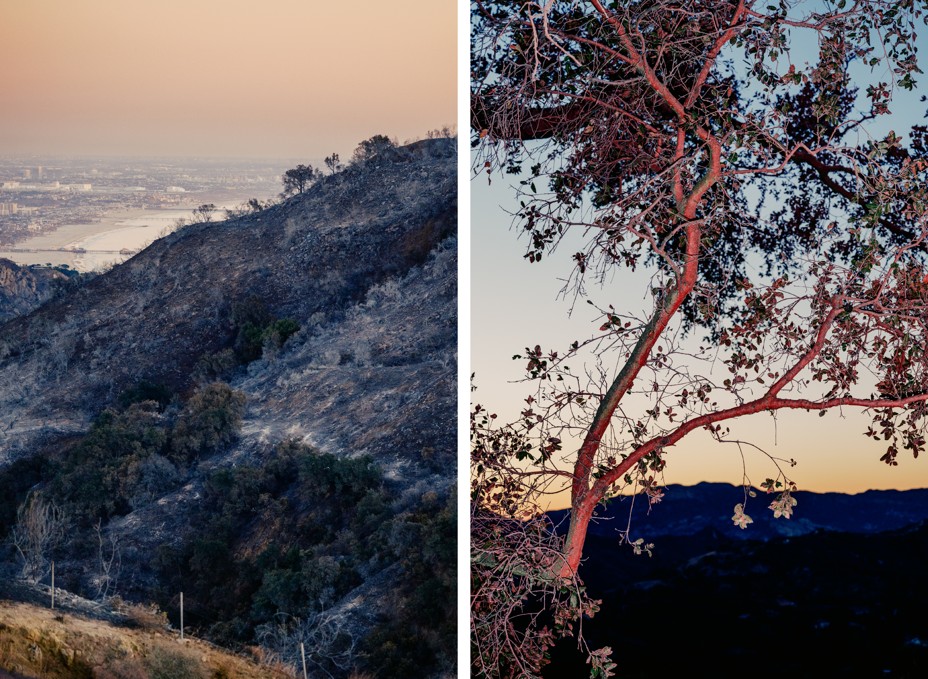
column 726, row 150
column 369, row 148
column 299, row 178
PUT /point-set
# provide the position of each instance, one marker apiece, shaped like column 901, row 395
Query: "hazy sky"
column 278, row 78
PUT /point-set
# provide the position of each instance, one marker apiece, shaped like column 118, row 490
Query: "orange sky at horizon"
column 231, row 78
column 515, row 304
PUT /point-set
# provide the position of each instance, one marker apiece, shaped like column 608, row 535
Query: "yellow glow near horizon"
column 282, row 78
column 515, row 305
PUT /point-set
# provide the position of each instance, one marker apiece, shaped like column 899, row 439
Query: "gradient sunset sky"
column 516, row 304
column 224, row 78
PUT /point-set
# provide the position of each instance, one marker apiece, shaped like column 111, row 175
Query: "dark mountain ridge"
column 687, row 510
column 841, row 593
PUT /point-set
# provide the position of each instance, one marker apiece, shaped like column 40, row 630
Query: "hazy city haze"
column 282, row 78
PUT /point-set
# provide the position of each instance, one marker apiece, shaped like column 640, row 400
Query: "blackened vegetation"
column 246, row 565
column 275, row 541
column 131, row 455
column 166, row 407
column 255, row 328
column 159, row 314
column 254, row 332
column 301, row 563
column 420, row 632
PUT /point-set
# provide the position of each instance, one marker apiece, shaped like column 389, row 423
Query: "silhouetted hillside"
column 687, row 510
column 828, row 602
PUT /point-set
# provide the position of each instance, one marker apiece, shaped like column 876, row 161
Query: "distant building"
column 40, row 172
column 176, row 189
column 27, row 173
column 8, row 209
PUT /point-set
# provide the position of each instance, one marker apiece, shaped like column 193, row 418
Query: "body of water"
column 110, row 241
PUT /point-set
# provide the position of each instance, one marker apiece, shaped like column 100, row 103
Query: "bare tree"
column 203, row 214
column 249, row 207
column 330, row 646
column 445, row 132
column 39, row 528
column 109, row 563
column 774, row 218
column 333, row 164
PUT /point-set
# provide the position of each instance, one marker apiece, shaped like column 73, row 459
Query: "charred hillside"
column 23, row 288
column 155, row 316
column 259, row 413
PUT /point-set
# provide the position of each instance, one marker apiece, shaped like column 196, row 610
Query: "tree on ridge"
column 299, row 178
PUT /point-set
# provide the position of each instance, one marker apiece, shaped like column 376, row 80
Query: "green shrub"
column 218, row 365
column 345, row 480
column 254, row 328
column 251, row 310
column 251, row 340
column 421, row 628
column 209, row 421
column 230, row 573
column 278, row 332
column 150, row 478
column 249, row 318
column 146, row 391
column 92, row 479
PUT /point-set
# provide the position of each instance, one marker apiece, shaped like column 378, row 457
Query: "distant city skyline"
column 204, row 78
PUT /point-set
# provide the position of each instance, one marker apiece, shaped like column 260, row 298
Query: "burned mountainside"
column 23, row 288
column 260, row 413
column 155, row 316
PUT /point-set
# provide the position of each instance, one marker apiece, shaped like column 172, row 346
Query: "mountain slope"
column 24, row 288
column 842, row 595
column 156, row 315
column 261, row 413
column 688, row 510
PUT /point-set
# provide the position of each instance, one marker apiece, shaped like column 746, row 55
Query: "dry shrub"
column 125, row 668
column 165, row 662
column 144, row 617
